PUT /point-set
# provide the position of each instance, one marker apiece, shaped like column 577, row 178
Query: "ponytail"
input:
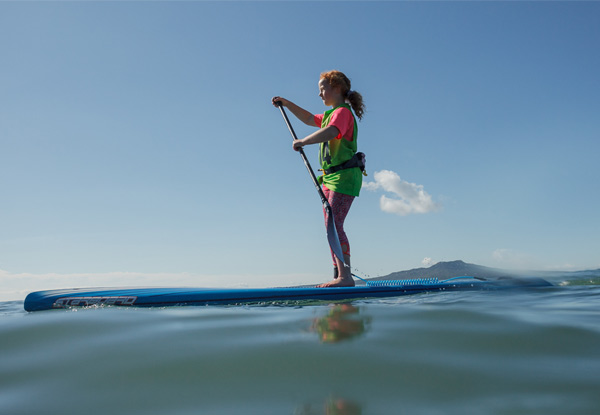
column 354, row 98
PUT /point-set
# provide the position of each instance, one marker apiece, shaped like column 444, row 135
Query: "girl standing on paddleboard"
column 340, row 162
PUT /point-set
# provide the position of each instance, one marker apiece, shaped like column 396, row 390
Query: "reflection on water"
column 342, row 322
column 333, row 406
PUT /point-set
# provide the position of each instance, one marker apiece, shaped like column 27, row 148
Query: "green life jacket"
column 335, row 152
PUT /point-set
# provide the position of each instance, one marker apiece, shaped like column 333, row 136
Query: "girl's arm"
column 300, row 113
column 322, row 135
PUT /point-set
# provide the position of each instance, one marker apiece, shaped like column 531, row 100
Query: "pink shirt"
column 343, row 120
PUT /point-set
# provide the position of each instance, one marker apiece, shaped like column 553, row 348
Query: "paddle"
column 332, row 235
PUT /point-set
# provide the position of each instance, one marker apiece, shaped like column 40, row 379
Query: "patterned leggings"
column 340, row 205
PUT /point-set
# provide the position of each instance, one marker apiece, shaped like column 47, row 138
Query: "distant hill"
column 443, row 270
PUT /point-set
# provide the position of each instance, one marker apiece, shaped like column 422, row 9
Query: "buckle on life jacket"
column 358, row 160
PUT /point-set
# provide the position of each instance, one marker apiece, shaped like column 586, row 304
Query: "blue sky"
column 139, row 143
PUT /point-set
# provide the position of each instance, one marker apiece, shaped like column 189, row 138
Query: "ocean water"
column 527, row 352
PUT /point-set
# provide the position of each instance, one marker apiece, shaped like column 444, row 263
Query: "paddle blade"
column 332, row 235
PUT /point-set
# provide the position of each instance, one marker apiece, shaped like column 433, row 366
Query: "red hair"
column 338, row 79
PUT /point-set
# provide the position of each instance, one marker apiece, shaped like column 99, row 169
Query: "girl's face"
column 329, row 95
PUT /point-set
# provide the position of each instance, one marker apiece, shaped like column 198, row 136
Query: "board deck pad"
column 166, row 297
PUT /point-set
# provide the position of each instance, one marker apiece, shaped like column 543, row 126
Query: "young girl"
column 337, row 136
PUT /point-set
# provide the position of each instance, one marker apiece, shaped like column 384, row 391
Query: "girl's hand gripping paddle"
column 332, row 235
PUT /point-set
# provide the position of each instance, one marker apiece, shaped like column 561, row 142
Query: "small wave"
column 579, row 280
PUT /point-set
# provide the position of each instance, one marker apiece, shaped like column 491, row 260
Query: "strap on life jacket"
column 358, row 160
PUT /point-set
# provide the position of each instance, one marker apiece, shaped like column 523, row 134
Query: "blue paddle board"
column 166, row 297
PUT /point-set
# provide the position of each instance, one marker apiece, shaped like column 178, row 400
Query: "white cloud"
column 428, row 262
column 408, row 197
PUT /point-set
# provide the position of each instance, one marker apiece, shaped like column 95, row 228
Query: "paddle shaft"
column 332, row 235
column 306, row 163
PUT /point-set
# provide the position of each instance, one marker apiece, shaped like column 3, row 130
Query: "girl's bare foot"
column 343, row 278
column 338, row 282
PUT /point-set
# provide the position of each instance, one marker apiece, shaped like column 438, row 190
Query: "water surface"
column 527, row 352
